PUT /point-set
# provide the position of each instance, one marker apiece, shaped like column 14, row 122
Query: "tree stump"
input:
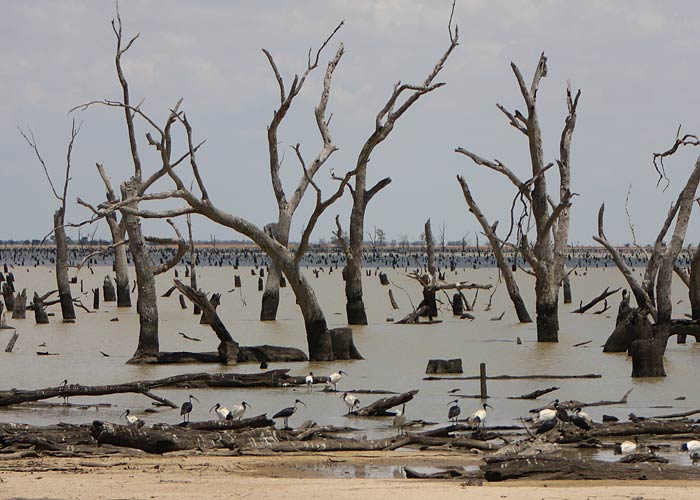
column 648, row 357
column 567, row 290
column 283, row 282
column 95, row 298
column 444, row 366
column 109, row 293
column 19, row 310
column 9, row 296
column 261, row 285
column 237, row 281
column 457, row 304
column 631, row 325
column 40, row 315
column 383, row 279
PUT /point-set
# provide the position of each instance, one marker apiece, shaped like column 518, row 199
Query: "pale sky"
column 635, row 61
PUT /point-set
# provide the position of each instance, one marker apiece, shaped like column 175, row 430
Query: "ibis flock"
column 548, row 418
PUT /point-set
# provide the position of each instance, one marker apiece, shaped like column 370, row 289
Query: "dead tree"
column 59, row 229
column 324, row 345
column 547, row 257
column 286, row 207
column 384, row 124
column 431, row 285
column 132, row 189
column 653, row 295
column 118, row 231
column 489, row 231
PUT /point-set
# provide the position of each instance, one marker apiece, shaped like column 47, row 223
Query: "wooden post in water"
column 482, row 381
column 95, row 298
column 11, row 343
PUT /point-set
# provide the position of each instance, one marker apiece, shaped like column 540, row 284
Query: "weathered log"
column 40, row 316
column 604, row 295
column 183, row 305
column 392, row 300
column 646, row 426
column 517, row 377
column 379, row 408
column 535, row 394
column 444, row 366
column 12, row 342
column 152, row 440
column 109, row 293
column 232, row 425
column 335, row 444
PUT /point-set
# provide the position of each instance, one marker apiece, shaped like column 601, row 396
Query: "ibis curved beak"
column 489, row 406
column 210, row 409
column 453, row 401
column 197, row 400
column 123, row 413
column 303, row 403
column 246, row 404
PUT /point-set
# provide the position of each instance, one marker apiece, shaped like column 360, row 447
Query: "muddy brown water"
column 395, row 355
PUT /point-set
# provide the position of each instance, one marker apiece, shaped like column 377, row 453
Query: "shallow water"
column 395, row 355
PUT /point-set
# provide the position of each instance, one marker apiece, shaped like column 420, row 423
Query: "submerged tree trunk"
column 146, row 302
column 355, row 306
column 62, row 281
column 694, row 285
column 271, row 296
column 547, row 306
column 120, row 262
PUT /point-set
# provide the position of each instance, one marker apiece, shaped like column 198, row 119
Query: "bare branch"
column 29, row 137
column 181, row 249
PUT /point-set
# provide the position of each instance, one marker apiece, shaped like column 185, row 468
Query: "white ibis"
column 547, row 413
column 221, row 411
column 693, row 449
column 400, row 419
column 627, row 447
column 454, row 411
column 351, row 402
column 132, row 420
column 237, row 411
column 310, row 381
column 335, row 378
column 479, row 416
column 581, row 419
column 285, row 413
column 186, row 408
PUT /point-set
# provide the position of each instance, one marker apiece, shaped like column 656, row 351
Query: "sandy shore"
column 289, row 477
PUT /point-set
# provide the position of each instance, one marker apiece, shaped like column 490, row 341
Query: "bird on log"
column 186, row 408
column 221, row 411
column 454, row 411
column 336, row 377
column 285, row 413
column 351, row 402
column 132, row 420
column 237, row 411
column 478, row 418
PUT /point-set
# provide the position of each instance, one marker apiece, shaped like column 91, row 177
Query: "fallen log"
column 317, row 445
column 379, row 408
column 231, row 425
column 271, row 378
column 517, row 377
column 551, row 467
column 535, row 394
column 604, row 295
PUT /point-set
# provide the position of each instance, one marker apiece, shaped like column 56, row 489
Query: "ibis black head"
column 454, row 401
column 343, row 395
column 215, row 407
column 299, row 401
column 554, row 403
column 65, row 382
column 244, row 405
column 576, row 410
column 311, row 373
column 191, row 397
column 125, row 413
column 486, row 405
column 343, row 373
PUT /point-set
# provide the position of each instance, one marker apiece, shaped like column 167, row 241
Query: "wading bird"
column 581, row 419
column 63, row 386
column 547, row 425
column 454, row 411
column 285, row 413
column 479, row 416
column 400, row 419
column 693, row 449
column 237, row 411
column 335, row 378
column 132, row 420
column 221, row 411
column 351, row 402
column 310, row 381
column 186, row 408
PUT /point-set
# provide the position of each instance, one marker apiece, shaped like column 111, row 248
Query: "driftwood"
column 11, row 343
column 604, row 295
column 271, row 378
column 535, row 394
column 379, row 408
column 557, row 467
column 517, row 377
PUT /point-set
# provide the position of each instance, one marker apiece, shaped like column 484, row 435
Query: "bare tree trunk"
column 146, row 302
column 271, row 295
column 62, row 281
column 547, row 307
column 120, row 262
column 694, row 286
column 506, row 272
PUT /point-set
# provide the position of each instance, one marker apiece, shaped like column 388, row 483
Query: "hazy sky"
column 635, row 61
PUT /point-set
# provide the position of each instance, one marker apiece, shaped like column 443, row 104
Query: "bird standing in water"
column 310, row 381
column 479, row 416
column 454, row 411
column 285, row 413
column 400, row 419
column 186, row 408
column 335, row 378
column 351, row 402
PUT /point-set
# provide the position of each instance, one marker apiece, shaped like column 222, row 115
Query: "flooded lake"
column 395, row 355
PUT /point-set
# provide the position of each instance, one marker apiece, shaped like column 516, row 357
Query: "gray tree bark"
column 62, row 281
